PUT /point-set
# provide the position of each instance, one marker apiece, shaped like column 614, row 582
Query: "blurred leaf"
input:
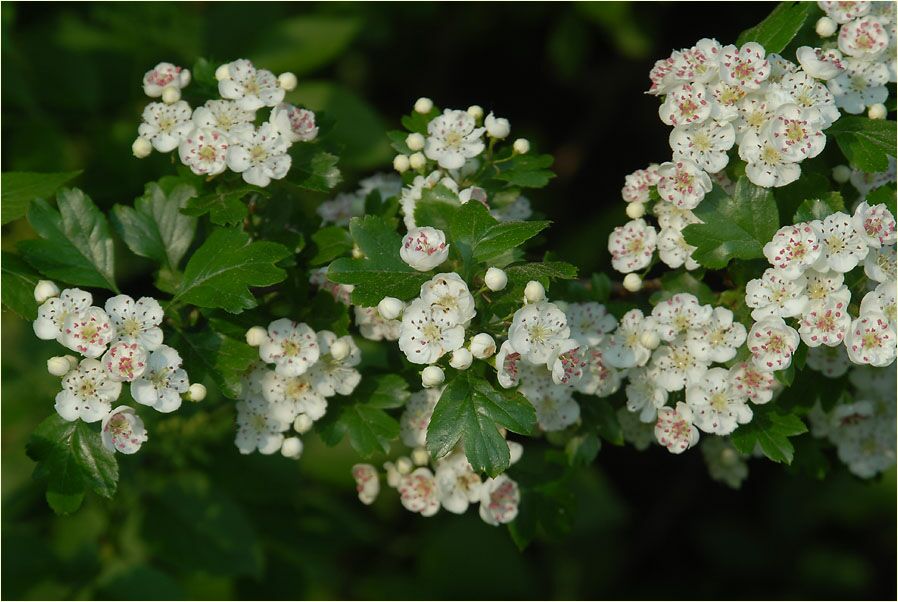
column 809, row 186
column 599, row 414
column 771, row 430
column 18, row 189
column 883, row 194
column 547, row 270
column 141, row 582
column 581, row 450
column 304, row 43
column 390, row 391
column 776, row 31
column 313, row 169
column 331, row 242
column 620, row 23
column 19, row 280
column 223, row 358
column 370, row 430
column 819, row 208
column 225, row 206
column 867, row 143
column 504, row 236
column 527, row 171
column 675, row 282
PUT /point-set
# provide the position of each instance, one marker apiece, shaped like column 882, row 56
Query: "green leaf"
column 504, row 236
column 771, row 430
column 221, row 271
column 734, row 227
column 224, row 359
column 75, row 245
column 397, row 141
column 225, row 206
column 603, row 417
column 302, row 44
column 885, row 195
column 809, row 186
column 381, row 273
column 313, row 169
column 331, row 242
column 544, row 271
column 526, row 171
column 470, row 410
column 155, row 227
column 583, row 449
column 776, row 31
column 390, row 391
column 819, row 208
column 19, row 280
column 19, row 188
column 71, row 459
column 683, row 282
column 867, row 143
column 370, row 430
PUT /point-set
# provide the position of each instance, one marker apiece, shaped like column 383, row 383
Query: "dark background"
column 195, row 519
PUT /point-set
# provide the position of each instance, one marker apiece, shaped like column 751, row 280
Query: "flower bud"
column 141, row 147
column 196, row 392
column 521, row 146
column 841, row 173
column 390, row 308
column 340, row 349
column 417, row 161
column 635, row 210
column 650, row 339
column 423, row 105
column 461, row 359
column 877, row 111
column 393, row 475
column 400, row 163
column 432, row 376
column 45, row 289
column 476, row 111
column 825, row 27
column 632, row 282
column 534, row 292
column 495, row 279
column 256, row 336
column 483, row 346
column 59, row 365
column 420, row 457
column 403, row 465
column 171, row 95
column 415, row 141
column 497, row 127
column 291, row 448
column 302, row 424
column 223, row 72
column 287, row 81
column 357, row 253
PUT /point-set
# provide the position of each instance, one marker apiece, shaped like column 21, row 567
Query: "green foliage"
column 734, row 227
column 683, row 281
column 19, row 280
column 771, row 430
column 221, row 271
column 304, row 43
column 600, row 416
column 313, row 169
column 225, row 205
column 72, row 460
column 776, row 31
column 18, row 189
column 75, row 245
column 819, row 208
column 526, row 171
column 331, row 242
column 224, row 359
column 883, row 194
column 867, row 143
column 501, row 238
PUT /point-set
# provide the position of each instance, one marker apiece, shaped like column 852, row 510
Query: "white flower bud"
column 521, row 146
column 400, row 163
column 534, row 292
column 256, row 336
column 825, row 27
column 497, row 127
column 390, row 308
column 415, row 141
column 302, row 424
column 45, row 289
column 287, row 81
column 223, row 72
column 476, row 111
column 424, row 248
column 841, row 173
column 141, row 147
column 196, row 392
column 650, row 339
column 417, row 161
column 877, row 111
column 404, row 465
column 291, row 448
column 357, row 252
column 393, row 476
column 171, row 95
column 635, row 210
column 423, row 105
column 420, row 457
column 632, row 282
column 340, row 349
column 483, row 346
column 432, row 376
column 461, row 359
column 59, row 365
column 495, row 279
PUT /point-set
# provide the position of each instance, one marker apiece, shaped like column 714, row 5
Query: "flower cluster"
column 309, row 368
column 224, row 133
column 120, row 343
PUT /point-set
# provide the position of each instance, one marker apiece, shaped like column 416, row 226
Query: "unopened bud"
column 461, row 359
column 404, row 465
column 495, row 279
column 196, row 392
column 825, row 27
column 45, row 289
column 432, row 376
column 534, row 292
column 420, row 457
column 423, row 105
column 401, row 163
column 171, row 95
column 632, row 282
column 650, row 339
column 635, row 210
column 287, row 81
column 841, row 173
column 476, row 111
column 141, row 147
column 417, row 161
column 877, row 111
column 256, row 336
column 291, row 448
column 340, row 349
column 390, row 308
column 302, row 424
column 59, row 365
column 483, row 346
column 521, row 146
column 415, row 141
column 223, row 72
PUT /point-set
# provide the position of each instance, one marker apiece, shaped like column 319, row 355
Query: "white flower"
column 683, row 183
column 567, row 362
column 367, row 482
column 424, row 248
column 746, row 67
column 289, row 396
column 822, row 287
column 331, row 375
column 499, row 500
column 162, row 76
column 589, row 322
column 718, row 407
column 482, row 346
column 675, row 366
column 224, row 116
column 793, row 249
column 457, row 483
column 386, row 184
column 166, row 125
column 779, row 68
column 871, row 341
column 865, row 38
column 136, row 322
column 772, row 343
column 410, row 195
column 679, row 313
column 624, row 348
column 882, row 300
column 497, row 127
column 705, row 144
column 767, row 165
column 699, row 63
column 162, row 382
column 773, row 294
column 674, row 429
column 292, row 347
column 257, row 428
column 820, row 63
column 295, row 123
column 843, row 12
column 507, row 372
column 644, row 395
column 453, row 138
column 832, row 362
column 825, row 323
column 631, row 246
column 291, row 447
column 862, row 84
column 374, row 327
column 674, row 251
column 718, row 339
column 663, row 77
column 204, row 151
column 637, row 184
column 260, row 155
column 876, row 225
column 748, row 381
column 87, row 393
column 88, row 332
column 536, row 329
column 125, row 361
column 671, row 216
column 449, row 297
column 807, row 92
column 754, row 111
column 599, row 378
column 252, row 88
column 426, row 335
column 880, row 264
column 555, row 406
column 122, row 430
column 727, row 98
column 518, row 210
column 685, row 104
column 842, row 248
column 416, row 417
column 724, row 462
column 341, row 209
column 418, row 492
column 796, row 133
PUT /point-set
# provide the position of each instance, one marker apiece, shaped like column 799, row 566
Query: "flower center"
column 702, row 142
column 131, row 327
column 871, row 340
column 835, row 244
column 770, row 155
column 290, row 348
column 431, row 332
column 719, row 401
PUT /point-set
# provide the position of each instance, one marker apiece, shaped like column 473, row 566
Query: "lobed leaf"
column 19, row 188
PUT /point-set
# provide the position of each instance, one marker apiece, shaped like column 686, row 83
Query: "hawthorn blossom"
column 718, row 407
column 53, row 313
column 330, row 375
column 880, row 265
column 123, row 431
column 808, row 93
column 674, row 251
column 260, row 155
column 793, row 249
column 499, row 500
column 820, row 63
column 842, row 248
column 453, row 138
column 624, row 348
column 631, row 246
column 555, row 406
column 822, row 287
column 88, row 332
column 685, row 104
column 881, row 300
column 825, row 324
column 125, row 361
column 341, row 209
column 843, row 12
column 705, row 144
column 683, row 183
column 644, row 395
column 292, row 347
column 773, row 294
column 637, row 184
column 875, row 225
column 673, row 217
column 865, row 38
column 87, row 392
column 599, row 377
column 416, row 417
column 746, row 66
column 674, row 429
column 136, row 322
column 410, row 195
column 870, row 340
column 257, row 428
column 424, row 248
column 223, row 116
column 863, row 83
column 375, row 327
column 536, row 329
column 204, row 151
column 699, row 63
column 163, row 381
column 772, row 343
column 166, row 125
column 748, row 381
column 418, row 492
column 458, row 485
column 567, row 362
column 367, row 482
column 589, row 322
column 754, row 112
column 723, row 461
column 796, row 132
column 727, row 98
column 288, row 396
column 767, row 165
column 449, row 297
column 426, row 335
column 507, row 360
column 718, row 339
column 162, row 76
column 297, row 124
column 832, row 362
column 677, row 314
column 779, row 68
column 251, row 88
column 675, row 366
